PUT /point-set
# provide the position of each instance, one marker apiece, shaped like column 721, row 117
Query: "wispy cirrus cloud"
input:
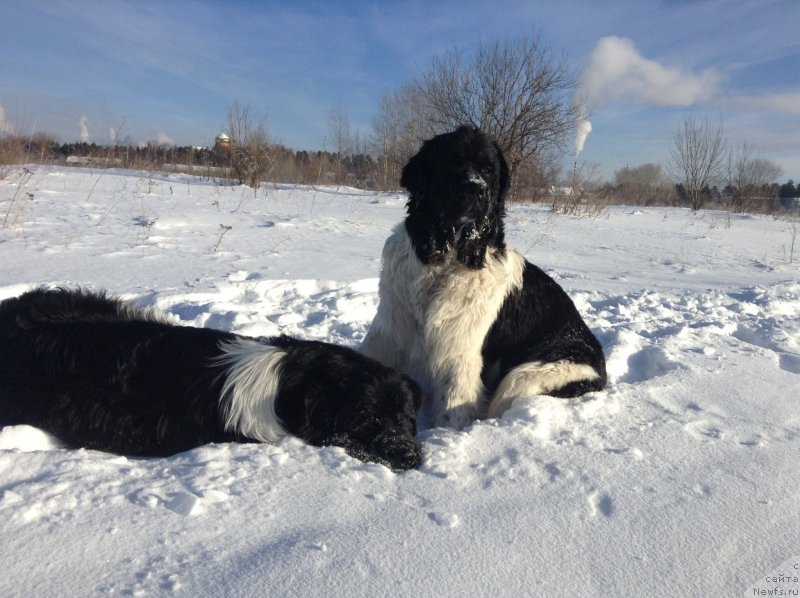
column 776, row 103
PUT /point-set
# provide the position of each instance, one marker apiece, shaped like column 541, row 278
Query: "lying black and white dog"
column 473, row 322
column 100, row 373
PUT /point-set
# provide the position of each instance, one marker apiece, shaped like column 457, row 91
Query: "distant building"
column 222, row 142
column 791, row 203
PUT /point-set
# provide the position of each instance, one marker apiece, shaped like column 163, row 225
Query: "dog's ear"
column 505, row 175
column 415, row 172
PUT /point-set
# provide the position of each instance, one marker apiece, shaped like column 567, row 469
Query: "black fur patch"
column 99, row 373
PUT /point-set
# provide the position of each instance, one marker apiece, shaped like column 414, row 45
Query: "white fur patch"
column 432, row 321
column 537, row 378
column 250, row 389
column 478, row 180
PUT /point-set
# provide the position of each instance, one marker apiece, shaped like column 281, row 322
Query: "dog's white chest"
column 449, row 310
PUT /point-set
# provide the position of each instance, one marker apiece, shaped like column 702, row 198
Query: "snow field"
column 681, row 478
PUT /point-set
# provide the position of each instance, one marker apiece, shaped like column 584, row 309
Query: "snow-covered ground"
column 682, row 478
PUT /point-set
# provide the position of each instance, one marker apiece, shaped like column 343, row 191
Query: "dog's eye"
column 368, row 427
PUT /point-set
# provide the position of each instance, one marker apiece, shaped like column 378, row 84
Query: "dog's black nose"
column 401, row 453
column 408, row 459
column 473, row 185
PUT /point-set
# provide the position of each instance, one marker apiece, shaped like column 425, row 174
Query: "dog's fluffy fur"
column 470, row 320
column 100, row 373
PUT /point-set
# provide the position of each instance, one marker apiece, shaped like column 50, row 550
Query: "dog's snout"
column 407, row 456
column 474, row 184
column 400, row 451
column 478, row 180
column 410, row 459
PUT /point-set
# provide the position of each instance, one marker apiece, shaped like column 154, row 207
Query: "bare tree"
column 696, row 157
column 514, row 90
column 539, row 173
column 751, row 179
column 582, row 196
column 397, row 131
column 340, row 136
column 250, row 156
column 12, row 153
column 643, row 184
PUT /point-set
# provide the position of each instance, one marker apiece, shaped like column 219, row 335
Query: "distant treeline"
column 283, row 165
column 641, row 185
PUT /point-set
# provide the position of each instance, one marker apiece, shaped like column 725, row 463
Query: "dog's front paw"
column 457, row 417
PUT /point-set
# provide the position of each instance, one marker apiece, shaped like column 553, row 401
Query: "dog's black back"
column 540, row 323
column 101, row 374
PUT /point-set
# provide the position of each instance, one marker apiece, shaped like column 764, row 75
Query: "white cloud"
column 5, row 126
column 616, row 71
column 781, row 103
column 83, row 123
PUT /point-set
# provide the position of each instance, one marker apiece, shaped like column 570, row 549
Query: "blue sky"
column 169, row 70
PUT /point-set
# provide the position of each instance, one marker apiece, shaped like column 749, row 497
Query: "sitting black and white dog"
column 103, row 374
column 473, row 322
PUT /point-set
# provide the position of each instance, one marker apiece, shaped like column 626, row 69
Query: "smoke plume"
column 584, row 128
column 83, row 123
column 5, row 126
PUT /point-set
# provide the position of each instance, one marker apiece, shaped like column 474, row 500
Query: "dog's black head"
column 382, row 430
column 457, row 183
column 334, row 396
